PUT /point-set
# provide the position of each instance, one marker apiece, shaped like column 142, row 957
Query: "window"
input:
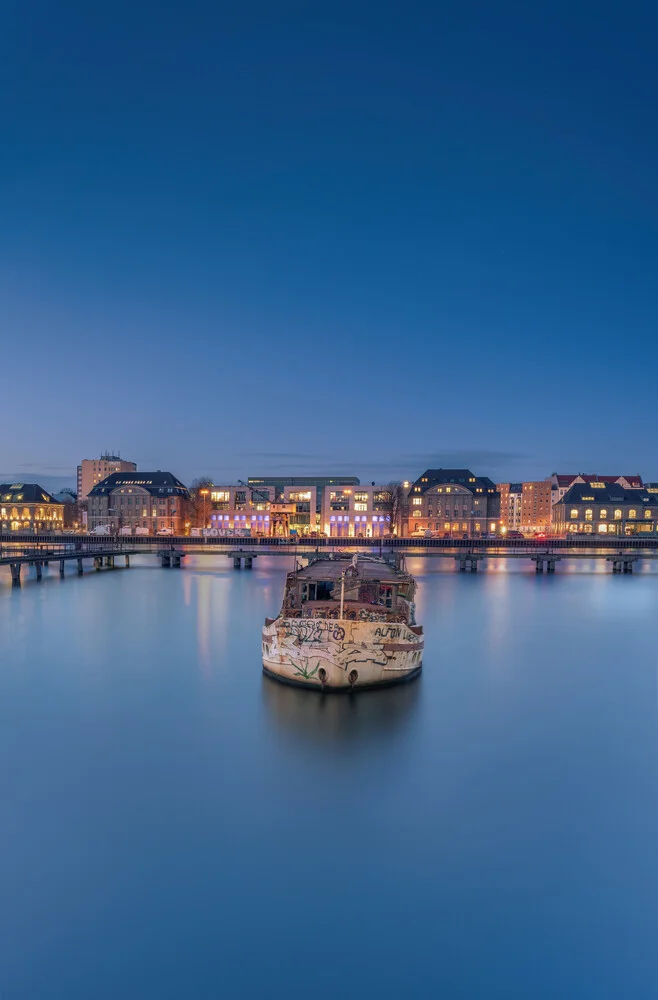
column 574, row 512
column 417, row 501
column 588, row 514
column 648, row 515
column 603, row 513
column 632, row 512
column 361, row 497
column 617, row 514
column 360, row 506
column 220, row 496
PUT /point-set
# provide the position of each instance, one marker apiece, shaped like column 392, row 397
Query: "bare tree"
column 200, row 503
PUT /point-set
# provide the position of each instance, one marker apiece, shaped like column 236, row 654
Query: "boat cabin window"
column 386, row 595
column 320, row 591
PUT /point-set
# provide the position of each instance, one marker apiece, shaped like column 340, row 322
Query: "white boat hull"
column 337, row 654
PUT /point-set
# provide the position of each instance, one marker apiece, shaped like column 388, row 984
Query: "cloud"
column 47, row 468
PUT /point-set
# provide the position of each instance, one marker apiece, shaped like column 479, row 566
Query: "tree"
column 200, row 503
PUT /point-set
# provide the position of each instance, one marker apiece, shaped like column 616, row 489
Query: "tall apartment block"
column 92, row 470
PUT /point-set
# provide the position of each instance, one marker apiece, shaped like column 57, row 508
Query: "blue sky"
column 350, row 237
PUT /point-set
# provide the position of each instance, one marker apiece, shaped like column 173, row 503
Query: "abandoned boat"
column 346, row 623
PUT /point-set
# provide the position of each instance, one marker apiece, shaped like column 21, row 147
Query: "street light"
column 204, row 493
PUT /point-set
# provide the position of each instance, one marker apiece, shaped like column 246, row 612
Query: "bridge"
column 40, row 550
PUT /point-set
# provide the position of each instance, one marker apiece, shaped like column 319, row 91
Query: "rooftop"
column 152, row 482
column 367, row 569
column 25, row 493
column 606, row 493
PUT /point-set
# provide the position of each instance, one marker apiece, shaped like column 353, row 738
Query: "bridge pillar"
column 165, row 559
column 248, row 562
column 80, row 567
column 37, row 567
column 61, row 567
column 127, row 561
column 98, row 562
column 539, row 564
column 15, row 574
column 628, row 565
column 175, row 559
column 109, row 562
column 237, row 562
column 550, row 566
column 468, row 561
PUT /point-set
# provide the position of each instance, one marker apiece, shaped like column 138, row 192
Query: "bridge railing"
column 87, row 544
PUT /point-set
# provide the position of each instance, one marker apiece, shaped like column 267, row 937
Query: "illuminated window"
column 416, row 501
column 361, row 497
column 574, row 512
column 603, row 513
column 588, row 514
column 363, row 506
column 648, row 515
column 617, row 514
column 220, row 496
column 603, row 529
column 632, row 512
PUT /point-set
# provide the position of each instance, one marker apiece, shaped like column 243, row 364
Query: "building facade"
column 526, row 507
column 358, row 511
column 92, row 470
column 241, row 508
column 27, row 507
column 303, row 484
column 453, row 503
column 149, row 501
column 511, row 497
column 606, row 509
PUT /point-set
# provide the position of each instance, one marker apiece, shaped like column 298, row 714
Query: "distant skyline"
column 501, row 467
column 311, row 239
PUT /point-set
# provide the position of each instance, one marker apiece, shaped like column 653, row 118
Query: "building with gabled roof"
column 602, row 508
column 29, row 507
column 561, row 482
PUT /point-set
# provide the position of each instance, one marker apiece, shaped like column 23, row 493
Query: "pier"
column 40, row 558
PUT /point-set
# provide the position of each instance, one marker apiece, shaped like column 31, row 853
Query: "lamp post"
column 115, row 510
column 204, row 493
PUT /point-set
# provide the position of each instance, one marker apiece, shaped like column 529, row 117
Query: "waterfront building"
column 303, row 484
column 526, row 507
column 561, row 482
column 92, row 470
column 241, row 508
column 604, row 508
column 453, row 503
column 511, row 501
column 140, row 501
column 358, row 511
column 28, row 507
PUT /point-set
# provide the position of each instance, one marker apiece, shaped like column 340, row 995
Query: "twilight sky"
column 329, row 237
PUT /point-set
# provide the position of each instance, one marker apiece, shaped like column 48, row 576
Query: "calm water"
column 172, row 824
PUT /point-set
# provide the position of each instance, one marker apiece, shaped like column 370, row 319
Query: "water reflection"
column 325, row 718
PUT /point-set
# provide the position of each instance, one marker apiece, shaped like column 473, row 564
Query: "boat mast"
column 342, row 592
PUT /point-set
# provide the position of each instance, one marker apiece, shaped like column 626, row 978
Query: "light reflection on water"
column 169, row 815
